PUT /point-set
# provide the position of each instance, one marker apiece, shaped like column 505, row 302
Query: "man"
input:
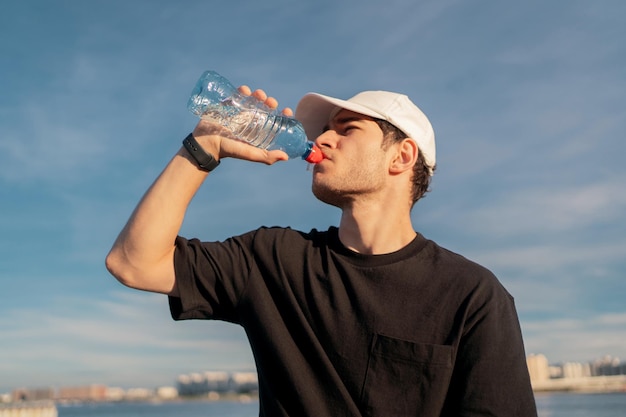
column 367, row 319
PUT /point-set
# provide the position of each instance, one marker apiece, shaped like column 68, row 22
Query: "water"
column 581, row 405
column 166, row 409
column 549, row 405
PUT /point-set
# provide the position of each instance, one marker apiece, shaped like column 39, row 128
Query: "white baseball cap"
column 314, row 111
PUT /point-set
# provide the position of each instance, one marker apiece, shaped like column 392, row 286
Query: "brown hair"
column 421, row 173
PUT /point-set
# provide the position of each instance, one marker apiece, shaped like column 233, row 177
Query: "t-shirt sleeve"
column 210, row 277
column 491, row 375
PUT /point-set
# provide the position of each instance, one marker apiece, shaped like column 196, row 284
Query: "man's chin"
column 327, row 195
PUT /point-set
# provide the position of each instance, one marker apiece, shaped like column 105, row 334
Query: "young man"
column 367, row 319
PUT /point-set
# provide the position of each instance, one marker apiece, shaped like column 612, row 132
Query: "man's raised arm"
column 142, row 256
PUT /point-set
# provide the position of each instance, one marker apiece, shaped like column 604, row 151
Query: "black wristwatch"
column 205, row 161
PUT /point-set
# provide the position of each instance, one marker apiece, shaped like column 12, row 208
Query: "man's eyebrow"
column 342, row 120
column 348, row 119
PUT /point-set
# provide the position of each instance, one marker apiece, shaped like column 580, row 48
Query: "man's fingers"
column 271, row 102
column 245, row 90
column 241, row 150
column 260, row 95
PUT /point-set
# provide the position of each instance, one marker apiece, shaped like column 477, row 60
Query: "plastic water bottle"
column 248, row 119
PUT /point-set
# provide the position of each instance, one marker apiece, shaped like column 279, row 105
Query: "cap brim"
column 314, row 111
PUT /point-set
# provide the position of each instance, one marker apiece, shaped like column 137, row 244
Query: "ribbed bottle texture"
column 248, row 119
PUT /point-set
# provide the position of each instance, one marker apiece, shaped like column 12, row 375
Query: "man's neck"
column 375, row 229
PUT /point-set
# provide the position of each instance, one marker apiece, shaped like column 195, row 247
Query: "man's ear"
column 405, row 157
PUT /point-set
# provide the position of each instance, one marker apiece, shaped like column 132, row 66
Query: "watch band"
column 205, row 161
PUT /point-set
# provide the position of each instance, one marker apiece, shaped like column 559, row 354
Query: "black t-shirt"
column 417, row 332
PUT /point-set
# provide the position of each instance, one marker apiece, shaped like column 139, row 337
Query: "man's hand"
column 215, row 140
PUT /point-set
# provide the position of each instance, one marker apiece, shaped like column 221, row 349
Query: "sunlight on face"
column 355, row 163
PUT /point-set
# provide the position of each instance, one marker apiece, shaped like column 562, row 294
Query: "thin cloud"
column 543, row 209
column 128, row 331
column 577, row 340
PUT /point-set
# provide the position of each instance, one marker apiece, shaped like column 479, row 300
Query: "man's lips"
column 318, row 166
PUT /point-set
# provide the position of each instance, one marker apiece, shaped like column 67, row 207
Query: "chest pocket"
column 405, row 378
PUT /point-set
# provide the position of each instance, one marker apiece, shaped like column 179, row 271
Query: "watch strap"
column 206, row 161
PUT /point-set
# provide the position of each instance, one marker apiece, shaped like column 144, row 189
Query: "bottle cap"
column 314, row 154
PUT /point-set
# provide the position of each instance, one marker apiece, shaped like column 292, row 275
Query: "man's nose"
column 328, row 139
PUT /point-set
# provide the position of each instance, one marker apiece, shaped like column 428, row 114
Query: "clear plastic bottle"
column 248, row 119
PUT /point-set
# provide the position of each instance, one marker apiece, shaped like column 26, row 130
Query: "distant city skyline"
column 545, row 376
column 245, row 376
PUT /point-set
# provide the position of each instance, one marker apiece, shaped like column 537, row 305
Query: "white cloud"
column 128, row 334
column 549, row 260
column 577, row 339
column 50, row 146
column 544, row 211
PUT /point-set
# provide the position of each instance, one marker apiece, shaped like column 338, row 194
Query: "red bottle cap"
column 315, row 155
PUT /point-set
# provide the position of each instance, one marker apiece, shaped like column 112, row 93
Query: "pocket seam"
column 426, row 353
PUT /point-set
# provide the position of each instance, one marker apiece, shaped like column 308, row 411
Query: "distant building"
column 201, row 384
column 139, row 394
column 115, row 394
column 576, row 370
column 33, row 394
column 605, row 375
column 245, row 381
column 167, row 393
column 538, row 368
column 607, row 366
column 83, row 393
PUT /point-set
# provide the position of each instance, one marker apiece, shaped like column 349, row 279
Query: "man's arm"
column 142, row 256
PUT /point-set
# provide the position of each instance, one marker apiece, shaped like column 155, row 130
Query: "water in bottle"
column 249, row 119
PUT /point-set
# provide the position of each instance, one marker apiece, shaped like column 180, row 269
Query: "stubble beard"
column 342, row 183
column 342, row 191
column 329, row 195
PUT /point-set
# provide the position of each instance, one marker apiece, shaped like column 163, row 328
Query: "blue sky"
column 528, row 102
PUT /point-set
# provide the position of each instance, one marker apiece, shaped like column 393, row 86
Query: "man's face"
column 355, row 163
